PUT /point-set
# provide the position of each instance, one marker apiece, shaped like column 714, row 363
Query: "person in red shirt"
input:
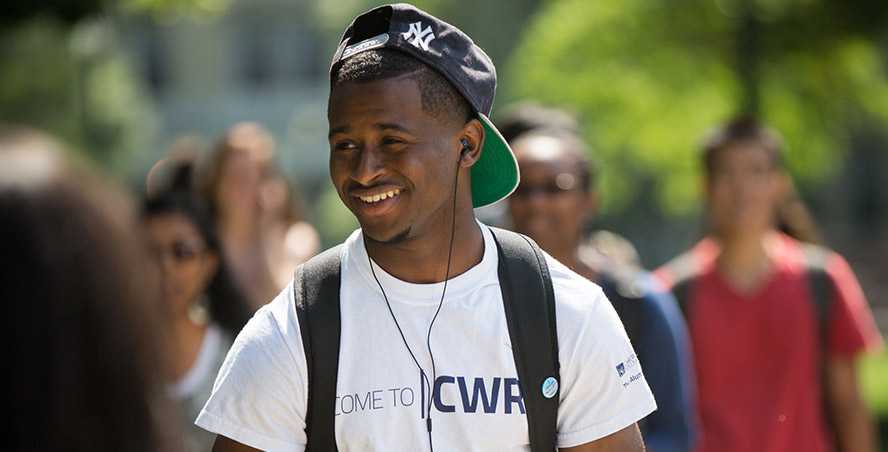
column 775, row 368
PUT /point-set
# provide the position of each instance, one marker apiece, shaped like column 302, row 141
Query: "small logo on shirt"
column 621, row 369
column 628, row 364
column 550, row 387
column 624, row 369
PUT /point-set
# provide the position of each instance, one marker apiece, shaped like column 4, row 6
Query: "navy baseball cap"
column 454, row 55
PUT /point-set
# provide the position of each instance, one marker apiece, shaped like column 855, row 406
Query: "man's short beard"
column 396, row 239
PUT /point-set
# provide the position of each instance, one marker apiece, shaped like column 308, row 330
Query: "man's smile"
column 375, row 201
column 371, row 198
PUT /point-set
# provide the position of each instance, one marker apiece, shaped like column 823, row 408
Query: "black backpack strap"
column 316, row 291
column 529, row 302
column 820, row 284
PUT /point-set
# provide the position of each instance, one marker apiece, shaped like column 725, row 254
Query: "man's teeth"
column 380, row 197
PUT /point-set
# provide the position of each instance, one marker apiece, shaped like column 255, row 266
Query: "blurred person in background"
column 525, row 116
column 516, row 119
column 289, row 241
column 252, row 208
column 610, row 247
column 793, row 216
column 178, row 167
column 776, row 326
column 205, row 308
column 554, row 200
column 87, row 364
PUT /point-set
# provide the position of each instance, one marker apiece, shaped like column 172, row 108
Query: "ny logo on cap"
column 421, row 38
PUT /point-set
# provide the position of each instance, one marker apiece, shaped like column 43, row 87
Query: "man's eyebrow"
column 380, row 126
column 335, row 130
column 392, row 126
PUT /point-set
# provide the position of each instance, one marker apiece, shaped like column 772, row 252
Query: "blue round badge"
column 550, row 387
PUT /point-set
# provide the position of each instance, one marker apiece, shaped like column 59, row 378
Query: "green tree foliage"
column 175, row 8
column 650, row 77
column 66, row 11
column 73, row 82
column 61, row 70
column 71, row 12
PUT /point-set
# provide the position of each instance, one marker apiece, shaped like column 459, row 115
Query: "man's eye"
column 344, row 146
column 392, row 141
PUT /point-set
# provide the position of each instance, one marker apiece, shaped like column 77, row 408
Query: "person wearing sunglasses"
column 205, row 308
column 553, row 202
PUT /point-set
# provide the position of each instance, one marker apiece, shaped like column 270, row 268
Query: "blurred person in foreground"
column 205, row 308
column 87, row 363
column 554, row 200
column 776, row 326
column 251, row 203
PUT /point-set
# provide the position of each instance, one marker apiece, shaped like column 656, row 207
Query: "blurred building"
column 262, row 60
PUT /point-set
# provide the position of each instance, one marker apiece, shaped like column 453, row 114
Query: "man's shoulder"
column 350, row 244
column 572, row 291
column 581, row 306
column 343, row 257
column 258, row 397
column 691, row 264
column 342, row 249
column 806, row 256
column 274, row 325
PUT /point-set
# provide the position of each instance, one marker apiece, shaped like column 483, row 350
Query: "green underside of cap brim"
column 495, row 174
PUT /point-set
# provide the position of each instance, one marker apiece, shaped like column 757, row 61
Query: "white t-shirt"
column 259, row 398
column 206, row 365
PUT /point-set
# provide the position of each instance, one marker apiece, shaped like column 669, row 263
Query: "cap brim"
column 495, row 175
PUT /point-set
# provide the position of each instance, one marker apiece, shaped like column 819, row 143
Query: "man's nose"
column 367, row 166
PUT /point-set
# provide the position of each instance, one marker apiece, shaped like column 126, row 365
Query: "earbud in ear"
column 465, row 148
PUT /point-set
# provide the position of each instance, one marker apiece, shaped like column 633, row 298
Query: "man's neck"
column 744, row 259
column 423, row 260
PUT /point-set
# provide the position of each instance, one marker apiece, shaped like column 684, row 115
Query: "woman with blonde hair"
column 259, row 222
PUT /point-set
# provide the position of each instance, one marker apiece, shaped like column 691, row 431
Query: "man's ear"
column 471, row 137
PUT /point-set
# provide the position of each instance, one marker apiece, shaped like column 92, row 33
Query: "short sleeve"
column 258, row 398
column 603, row 387
column 852, row 328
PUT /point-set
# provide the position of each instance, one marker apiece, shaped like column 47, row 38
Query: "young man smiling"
column 424, row 331
column 776, row 326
